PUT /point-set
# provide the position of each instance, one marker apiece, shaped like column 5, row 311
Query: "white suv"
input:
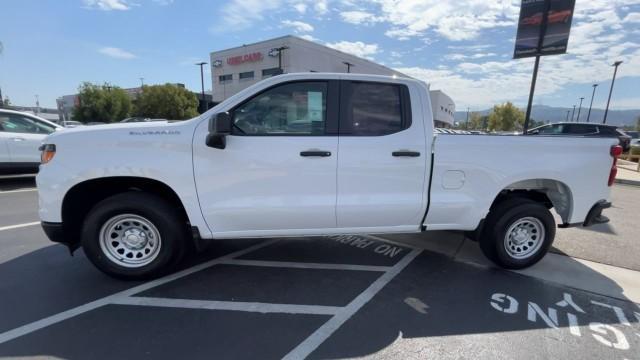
column 21, row 135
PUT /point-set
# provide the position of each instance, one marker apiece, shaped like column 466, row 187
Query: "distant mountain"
column 556, row 114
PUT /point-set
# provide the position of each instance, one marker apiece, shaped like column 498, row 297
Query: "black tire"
column 169, row 224
column 493, row 241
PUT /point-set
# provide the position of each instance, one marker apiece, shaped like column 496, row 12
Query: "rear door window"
column 580, row 129
column 374, row 109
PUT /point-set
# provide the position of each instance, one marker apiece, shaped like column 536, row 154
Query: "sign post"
column 543, row 29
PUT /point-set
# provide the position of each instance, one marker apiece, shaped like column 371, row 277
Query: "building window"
column 246, row 75
column 271, row 72
column 225, row 78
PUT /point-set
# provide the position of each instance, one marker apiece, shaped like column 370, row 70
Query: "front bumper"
column 56, row 233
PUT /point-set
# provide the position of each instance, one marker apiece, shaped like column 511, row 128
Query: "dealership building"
column 237, row 68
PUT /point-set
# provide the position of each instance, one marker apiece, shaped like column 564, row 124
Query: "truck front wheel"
column 518, row 233
column 134, row 235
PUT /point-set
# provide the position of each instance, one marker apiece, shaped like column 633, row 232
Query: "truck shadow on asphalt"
column 435, row 307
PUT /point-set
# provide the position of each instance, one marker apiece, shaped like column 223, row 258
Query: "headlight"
column 48, row 151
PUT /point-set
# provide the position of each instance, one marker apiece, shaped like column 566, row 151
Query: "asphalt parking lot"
column 334, row 297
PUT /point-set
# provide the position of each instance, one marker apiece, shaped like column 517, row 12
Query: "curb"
column 627, row 182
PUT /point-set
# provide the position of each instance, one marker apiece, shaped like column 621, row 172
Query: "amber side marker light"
column 47, row 152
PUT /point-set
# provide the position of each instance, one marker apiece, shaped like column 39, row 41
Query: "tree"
column 478, row 121
column 101, row 103
column 506, row 117
column 166, row 102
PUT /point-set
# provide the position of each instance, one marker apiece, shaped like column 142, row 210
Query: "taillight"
column 616, row 151
column 48, row 151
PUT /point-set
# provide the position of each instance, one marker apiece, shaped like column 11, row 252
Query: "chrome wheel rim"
column 524, row 238
column 130, row 240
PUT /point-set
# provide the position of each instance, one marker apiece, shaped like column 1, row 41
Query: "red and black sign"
column 241, row 59
column 543, row 27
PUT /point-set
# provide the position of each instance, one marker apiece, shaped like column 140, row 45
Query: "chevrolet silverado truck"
column 312, row 154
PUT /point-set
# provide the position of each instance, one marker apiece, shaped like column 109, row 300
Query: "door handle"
column 18, row 139
column 319, row 153
column 405, row 153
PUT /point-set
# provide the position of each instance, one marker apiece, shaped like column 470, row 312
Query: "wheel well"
column 81, row 198
column 551, row 193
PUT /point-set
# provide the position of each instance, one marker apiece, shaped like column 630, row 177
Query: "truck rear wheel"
column 134, row 235
column 518, row 233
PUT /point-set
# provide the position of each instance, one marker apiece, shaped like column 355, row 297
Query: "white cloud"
column 357, row 48
column 297, row 26
column 321, row 6
column 360, row 17
column 454, row 20
column 309, row 38
column 117, row 53
column 107, row 5
column 300, row 7
column 484, row 76
column 242, row 14
column 632, row 18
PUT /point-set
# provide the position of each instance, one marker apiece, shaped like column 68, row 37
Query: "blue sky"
column 461, row 46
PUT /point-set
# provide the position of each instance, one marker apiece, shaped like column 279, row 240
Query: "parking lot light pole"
column 615, row 64
column 201, row 64
column 466, row 125
column 278, row 52
column 591, row 104
column 579, row 108
column 349, row 65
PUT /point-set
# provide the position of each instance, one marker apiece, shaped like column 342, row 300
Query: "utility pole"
column 616, row 64
column 534, row 77
column 466, row 125
column 590, row 105
column 579, row 108
column 349, row 65
column 573, row 112
column 37, row 104
column 202, row 64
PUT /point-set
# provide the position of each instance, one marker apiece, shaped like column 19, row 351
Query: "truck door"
column 278, row 170
column 383, row 157
column 4, row 147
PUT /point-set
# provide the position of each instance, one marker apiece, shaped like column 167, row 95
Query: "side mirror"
column 219, row 128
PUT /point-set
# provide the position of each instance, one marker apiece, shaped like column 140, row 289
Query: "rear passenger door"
column 382, row 158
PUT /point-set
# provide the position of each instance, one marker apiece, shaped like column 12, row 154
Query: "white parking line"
column 339, row 314
column 17, row 191
column 10, row 227
column 37, row 325
column 303, row 265
column 229, row 305
column 321, row 334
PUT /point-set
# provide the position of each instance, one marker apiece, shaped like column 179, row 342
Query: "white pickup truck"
column 312, row 154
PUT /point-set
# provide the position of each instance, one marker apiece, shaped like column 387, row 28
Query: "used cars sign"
column 543, row 27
